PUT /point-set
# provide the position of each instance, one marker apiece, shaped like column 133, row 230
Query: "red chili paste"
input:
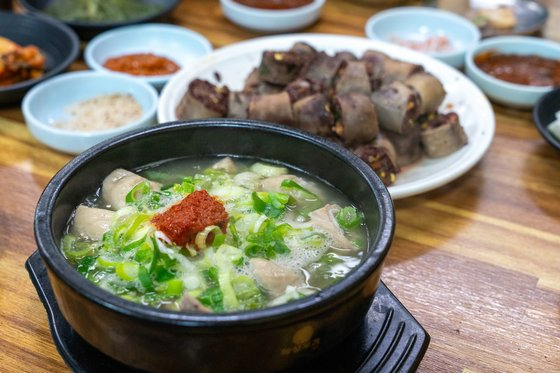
column 142, row 64
column 182, row 221
column 274, row 4
column 527, row 70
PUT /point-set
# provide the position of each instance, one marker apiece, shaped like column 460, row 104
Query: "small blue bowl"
column 419, row 23
column 45, row 104
column 176, row 43
column 511, row 94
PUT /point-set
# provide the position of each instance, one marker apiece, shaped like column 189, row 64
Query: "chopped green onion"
column 139, row 191
column 349, row 217
column 174, row 287
column 127, row 271
column 267, row 170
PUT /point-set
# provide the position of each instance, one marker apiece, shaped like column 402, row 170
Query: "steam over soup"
column 215, row 235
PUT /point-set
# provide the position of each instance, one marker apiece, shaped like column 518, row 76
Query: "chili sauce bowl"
column 272, row 20
column 269, row 339
column 175, row 43
column 506, row 93
column 46, row 103
column 419, row 23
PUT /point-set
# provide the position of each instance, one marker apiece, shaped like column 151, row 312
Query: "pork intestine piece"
column 273, row 277
column 118, row 184
column 91, row 223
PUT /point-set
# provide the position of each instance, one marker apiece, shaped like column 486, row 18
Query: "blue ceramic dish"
column 46, row 103
column 176, row 43
column 510, row 94
column 87, row 30
column 57, row 42
column 419, row 23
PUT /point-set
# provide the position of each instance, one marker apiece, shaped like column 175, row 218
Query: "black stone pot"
column 265, row 340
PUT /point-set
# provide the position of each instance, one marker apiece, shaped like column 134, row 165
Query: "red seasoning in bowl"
column 520, row 69
column 274, row 4
column 142, row 64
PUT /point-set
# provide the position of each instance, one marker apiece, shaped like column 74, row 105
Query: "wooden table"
column 477, row 261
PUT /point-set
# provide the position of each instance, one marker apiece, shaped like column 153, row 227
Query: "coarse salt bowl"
column 417, row 24
column 48, row 103
column 272, row 20
column 506, row 93
column 178, row 44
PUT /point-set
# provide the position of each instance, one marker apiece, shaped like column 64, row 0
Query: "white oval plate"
column 234, row 62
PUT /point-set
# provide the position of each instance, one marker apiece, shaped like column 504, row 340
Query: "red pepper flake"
column 182, row 221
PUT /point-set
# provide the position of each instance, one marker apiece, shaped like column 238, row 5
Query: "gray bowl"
column 58, row 42
column 270, row 339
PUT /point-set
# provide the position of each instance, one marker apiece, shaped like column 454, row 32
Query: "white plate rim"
column 463, row 160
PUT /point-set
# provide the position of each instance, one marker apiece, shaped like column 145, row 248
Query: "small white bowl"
column 272, row 21
column 417, row 23
column 506, row 93
column 45, row 104
column 176, row 43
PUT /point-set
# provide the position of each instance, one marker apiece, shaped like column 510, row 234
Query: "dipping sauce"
column 520, row 69
column 274, row 4
column 142, row 64
column 101, row 113
column 438, row 43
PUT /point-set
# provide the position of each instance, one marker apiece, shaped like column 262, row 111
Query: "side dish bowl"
column 506, row 93
column 417, row 24
column 270, row 339
column 57, row 42
column 87, row 30
column 272, row 21
column 46, row 103
column 544, row 113
column 178, row 44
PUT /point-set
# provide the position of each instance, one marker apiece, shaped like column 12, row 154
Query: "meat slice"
column 324, row 219
column 273, row 277
column 203, row 100
column 182, row 221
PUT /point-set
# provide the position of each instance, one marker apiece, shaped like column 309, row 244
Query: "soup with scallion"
column 214, row 235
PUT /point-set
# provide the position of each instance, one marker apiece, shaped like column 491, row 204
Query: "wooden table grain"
column 477, row 261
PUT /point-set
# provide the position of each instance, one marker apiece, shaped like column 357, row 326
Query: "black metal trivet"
column 390, row 340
